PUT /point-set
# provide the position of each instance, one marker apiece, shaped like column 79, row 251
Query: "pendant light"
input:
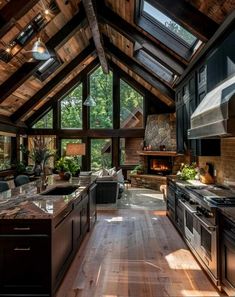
column 40, row 51
column 90, row 101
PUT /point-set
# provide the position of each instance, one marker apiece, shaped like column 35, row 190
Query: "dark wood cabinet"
column 92, row 206
column 188, row 97
column 228, row 256
column 24, row 258
column 35, row 254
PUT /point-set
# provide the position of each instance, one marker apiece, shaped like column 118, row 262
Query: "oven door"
column 189, row 223
column 205, row 243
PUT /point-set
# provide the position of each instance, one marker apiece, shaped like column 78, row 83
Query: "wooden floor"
column 135, row 253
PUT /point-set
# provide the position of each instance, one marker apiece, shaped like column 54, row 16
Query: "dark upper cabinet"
column 188, row 97
column 221, row 62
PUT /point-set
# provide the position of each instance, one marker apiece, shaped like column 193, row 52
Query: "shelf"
column 158, row 153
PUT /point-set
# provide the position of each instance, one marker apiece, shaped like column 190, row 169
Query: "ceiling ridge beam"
column 28, row 69
column 97, row 37
column 139, row 70
column 106, row 15
column 60, row 94
column 188, row 16
column 47, row 88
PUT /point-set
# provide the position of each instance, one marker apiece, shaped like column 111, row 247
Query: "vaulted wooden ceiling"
column 80, row 32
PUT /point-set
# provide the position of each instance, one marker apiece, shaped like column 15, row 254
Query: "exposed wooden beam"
column 47, row 88
column 188, row 16
column 107, row 16
column 28, row 69
column 13, row 11
column 166, row 91
column 94, row 26
column 63, row 92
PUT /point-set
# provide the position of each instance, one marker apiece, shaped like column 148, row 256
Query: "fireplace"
column 160, row 165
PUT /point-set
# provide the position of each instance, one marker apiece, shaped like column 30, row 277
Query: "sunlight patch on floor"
column 196, row 293
column 180, row 259
column 114, row 219
column 158, row 196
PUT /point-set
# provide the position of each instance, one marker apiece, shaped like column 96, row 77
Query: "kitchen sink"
column 60, row 190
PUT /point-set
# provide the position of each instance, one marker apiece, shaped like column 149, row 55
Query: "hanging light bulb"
column 90, row 101
column 39, row 50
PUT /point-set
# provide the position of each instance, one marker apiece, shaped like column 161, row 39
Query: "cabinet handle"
column 21, row 228
column 22, row 249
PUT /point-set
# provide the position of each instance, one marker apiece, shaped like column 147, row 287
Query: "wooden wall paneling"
column 51, row 84
column 27, row 69
column 13, row 11
column 123, row 8
column 165, row 93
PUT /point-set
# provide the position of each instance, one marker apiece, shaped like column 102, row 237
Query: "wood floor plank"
column 135, row 253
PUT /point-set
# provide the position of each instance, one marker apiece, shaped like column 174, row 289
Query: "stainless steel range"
column 199, row 204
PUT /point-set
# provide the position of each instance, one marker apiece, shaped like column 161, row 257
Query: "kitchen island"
column 40, row 233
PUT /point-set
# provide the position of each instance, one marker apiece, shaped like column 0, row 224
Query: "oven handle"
column 187, row 207
column 208, row 227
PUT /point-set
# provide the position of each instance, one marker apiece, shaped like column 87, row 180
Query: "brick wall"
column 225, row 164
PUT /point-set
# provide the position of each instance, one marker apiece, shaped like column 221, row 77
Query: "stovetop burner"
column 215, row 194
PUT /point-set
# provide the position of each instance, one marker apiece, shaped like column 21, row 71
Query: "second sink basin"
column 61, row 190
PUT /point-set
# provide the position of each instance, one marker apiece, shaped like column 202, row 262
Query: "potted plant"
column 67, row 164
column 139, row 169
column 188, row 171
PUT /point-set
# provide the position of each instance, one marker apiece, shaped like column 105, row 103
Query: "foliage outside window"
column 131, row 107
column 101, row 86
column 71, row 110
column 5, row 152
column 128, row 148
column 46, row 122
column 101, row 154
column 64, row 143
column 169, row 24
column 50, row 143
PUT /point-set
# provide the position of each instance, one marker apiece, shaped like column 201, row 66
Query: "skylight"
column 160, row 70
column 169, row 24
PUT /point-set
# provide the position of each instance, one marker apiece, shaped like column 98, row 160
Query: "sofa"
column 110, row 185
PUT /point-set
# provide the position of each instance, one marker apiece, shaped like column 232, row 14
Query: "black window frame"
column 161, row 33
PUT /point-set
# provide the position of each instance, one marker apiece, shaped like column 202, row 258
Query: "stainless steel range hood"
column 215, row 115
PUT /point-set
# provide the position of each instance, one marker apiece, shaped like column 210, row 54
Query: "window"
column 101, row 154
column 128, row 149
column 46, row 122
column 101, row 86
column 131, row 107
column 169, row 24
column 166, row 30
column 64, row 143
column 153, row 65
column 71, row 110
column 5, row 152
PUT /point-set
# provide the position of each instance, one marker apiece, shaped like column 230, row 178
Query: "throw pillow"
column 112, row 171
column 120, row 177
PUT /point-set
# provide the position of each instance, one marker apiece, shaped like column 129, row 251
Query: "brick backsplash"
column 225, row 164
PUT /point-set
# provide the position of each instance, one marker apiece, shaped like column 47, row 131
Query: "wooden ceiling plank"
column 189, row 17
column 138, row 69
column 27, row 69
column 19, row 114
column 112, row 19
column 94, row 26
column 60, row 94
column 13, row 11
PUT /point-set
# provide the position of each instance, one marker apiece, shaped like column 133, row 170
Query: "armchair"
column 106, row 191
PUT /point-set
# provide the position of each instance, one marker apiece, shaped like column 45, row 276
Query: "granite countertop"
column 184, row 183
column 26, row 202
